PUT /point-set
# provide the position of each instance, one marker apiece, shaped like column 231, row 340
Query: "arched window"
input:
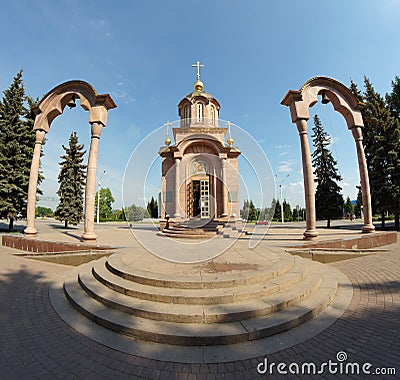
column 199, row 112
column 212, row 110
column 186, row 115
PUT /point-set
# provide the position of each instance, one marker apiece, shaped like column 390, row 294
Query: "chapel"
column 200, row 178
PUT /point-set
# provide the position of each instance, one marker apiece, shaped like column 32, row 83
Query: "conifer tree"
column 152, row 208
column 72, row 181
column 381, row 144
column 393, row 101
column 348, row 207
column 253, row 215
column 17, row 140
column 328, row 200
column 358, row 205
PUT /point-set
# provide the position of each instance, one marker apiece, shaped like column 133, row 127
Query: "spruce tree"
column 348, row 207
column 393, row 101
column 152, row 208
column 252, row 212
column 328, row 200
column 358, row 205
column 381, row 144
column 72, row 181
column 17, row 140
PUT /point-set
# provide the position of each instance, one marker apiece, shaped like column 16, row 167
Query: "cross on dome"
column 198, row 65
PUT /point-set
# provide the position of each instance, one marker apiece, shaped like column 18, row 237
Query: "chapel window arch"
column 212, row 112
column 200, row 112
column 186, row 115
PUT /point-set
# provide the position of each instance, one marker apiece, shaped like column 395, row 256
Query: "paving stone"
column 41, row 345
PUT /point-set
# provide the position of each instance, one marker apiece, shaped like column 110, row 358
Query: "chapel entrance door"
column 204, row 198
column 199, row 198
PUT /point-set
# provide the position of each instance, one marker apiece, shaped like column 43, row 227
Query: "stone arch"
column 344, row 102
column 201, row 146
column 51, row 106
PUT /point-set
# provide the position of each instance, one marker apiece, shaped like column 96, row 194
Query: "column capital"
column 40, row 134
column 356, row 131
column 97, row 128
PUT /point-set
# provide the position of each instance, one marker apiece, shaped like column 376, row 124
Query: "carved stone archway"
column 51, row 106
column 343, row 101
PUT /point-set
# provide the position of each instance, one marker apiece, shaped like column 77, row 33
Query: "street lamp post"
column 98, row 198
column 281, row 196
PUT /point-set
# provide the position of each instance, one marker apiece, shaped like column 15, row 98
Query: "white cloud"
column 122, row 95
column 334, row 139
column 286, row 166
column 286, row 146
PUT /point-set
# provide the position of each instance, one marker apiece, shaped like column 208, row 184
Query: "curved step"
column 200, row 333
column 189, row 235
column 198, row 313
column 216, row 295
column 204, row 281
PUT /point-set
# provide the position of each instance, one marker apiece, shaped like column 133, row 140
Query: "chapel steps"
column 205, row 310
column 195, row 228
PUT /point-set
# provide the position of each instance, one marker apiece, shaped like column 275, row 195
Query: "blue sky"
column 141, row 53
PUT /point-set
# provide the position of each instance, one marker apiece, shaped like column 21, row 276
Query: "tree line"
column 381, row 140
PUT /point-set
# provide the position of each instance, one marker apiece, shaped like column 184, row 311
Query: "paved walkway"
column 36, row 343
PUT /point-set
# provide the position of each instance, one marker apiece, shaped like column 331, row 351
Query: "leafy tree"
column 328, row 200
column 106, row 201
column 244, row 212
column 119, row 214
column 152, row 208
column 17, row 140
column 135, row 213
column 72, row 181
column 44, row 211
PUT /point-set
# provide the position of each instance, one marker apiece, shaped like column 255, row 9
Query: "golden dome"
column 230, row 142
column 198, row 86
column 167, row 141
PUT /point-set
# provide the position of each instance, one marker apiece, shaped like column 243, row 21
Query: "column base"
column 30, row 231
column 310, row 235
column 368, row 228
column 89, row 237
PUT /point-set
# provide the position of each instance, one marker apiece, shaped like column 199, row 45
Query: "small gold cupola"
column 198, row 86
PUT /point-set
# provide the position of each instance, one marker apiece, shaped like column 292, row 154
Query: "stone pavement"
column 36, row 343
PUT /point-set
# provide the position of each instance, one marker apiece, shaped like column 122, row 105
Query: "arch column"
column 90, row 189
column 364, row 179
column 30, row 229
column 344, row 102
column 311, row 232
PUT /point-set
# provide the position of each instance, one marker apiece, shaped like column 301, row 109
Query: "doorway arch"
column 51, row 106
column 344, row 102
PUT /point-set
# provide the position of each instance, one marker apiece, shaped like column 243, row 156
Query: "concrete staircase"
column 195, row 228
column 210, row 309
